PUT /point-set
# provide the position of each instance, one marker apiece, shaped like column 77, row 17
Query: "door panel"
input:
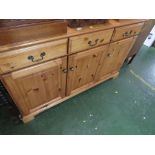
column 37, row 85
column 114, row 58
column 82, row 68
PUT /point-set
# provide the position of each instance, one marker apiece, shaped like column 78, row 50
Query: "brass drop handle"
column 90, row 43
column 131, row 32
column 32, row 57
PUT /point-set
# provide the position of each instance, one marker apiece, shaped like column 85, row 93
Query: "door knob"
column 65, row 70
column 71, row 68
column 109, row 55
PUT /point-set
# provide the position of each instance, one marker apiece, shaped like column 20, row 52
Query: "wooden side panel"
column 148, row 25
column 84, row 66
column 114, row 58
column 16, row 94
column 31, row 90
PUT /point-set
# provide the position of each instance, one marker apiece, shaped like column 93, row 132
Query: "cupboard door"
column 114, row 58
column 82, row 68
column 32, row 87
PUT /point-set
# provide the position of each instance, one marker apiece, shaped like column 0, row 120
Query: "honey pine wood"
column 34, row 86
column 16, row 59
column 87, row 41
column 127, row 31
column 31, row 32
column 82, row 68
column 71, row 65
column 110, row 24
column 113, row 58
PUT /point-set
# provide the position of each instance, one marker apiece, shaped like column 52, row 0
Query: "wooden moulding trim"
column 33, row 69
column 33, row 65
column 117, row 24
column 128, row 23
column 50, row 104
column 124, row 38
column 30, row 48
column 26, row 23
column 44, row 105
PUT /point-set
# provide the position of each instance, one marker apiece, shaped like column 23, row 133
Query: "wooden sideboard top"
column 72, row 32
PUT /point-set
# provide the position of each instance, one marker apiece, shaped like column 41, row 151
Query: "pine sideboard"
column 41, row 73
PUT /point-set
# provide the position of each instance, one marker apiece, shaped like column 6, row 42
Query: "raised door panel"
column 114, row 58
column 82, row 69
column 33, row 87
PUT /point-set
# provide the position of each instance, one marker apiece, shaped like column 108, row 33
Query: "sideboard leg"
column 115, row 76
column 131, row 59
column 27, row 119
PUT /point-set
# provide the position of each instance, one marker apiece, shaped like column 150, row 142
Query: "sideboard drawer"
column 127, row 31
column 87, row 41
column 23, row 57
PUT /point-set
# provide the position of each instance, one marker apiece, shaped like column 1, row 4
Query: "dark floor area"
column 125, row 105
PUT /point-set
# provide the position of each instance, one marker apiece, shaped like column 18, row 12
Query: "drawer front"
column 127, row 31
column 87, row 41
column 28, row 56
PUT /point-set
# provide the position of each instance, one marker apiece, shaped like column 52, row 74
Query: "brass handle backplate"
column 126, row 34
column 93, row 44
column 33, row 59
